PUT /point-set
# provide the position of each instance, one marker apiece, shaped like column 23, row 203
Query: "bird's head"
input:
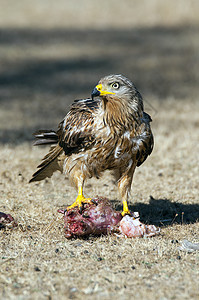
column 116, row 85
column 121, row 102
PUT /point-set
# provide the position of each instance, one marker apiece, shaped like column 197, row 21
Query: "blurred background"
column 53, row 52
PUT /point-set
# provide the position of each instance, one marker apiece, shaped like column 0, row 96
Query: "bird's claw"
column 81, row 209
column 79, row 202
column 126, row 212
column 93, row 201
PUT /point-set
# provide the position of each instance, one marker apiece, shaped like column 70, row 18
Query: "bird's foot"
column 79, row 202
column 126, row 210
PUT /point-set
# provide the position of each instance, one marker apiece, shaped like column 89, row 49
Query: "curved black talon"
column 94, row 202
column 81, row 209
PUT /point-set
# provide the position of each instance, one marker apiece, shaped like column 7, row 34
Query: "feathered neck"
column 121, row 115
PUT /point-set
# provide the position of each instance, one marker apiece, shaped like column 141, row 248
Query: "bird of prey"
column 109, row 131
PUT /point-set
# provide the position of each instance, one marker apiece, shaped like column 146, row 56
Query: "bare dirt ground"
column 52, row 53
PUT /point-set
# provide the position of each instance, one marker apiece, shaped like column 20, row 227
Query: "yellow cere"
column 102, row 93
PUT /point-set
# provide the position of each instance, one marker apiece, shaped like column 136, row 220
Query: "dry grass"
column 52, row 54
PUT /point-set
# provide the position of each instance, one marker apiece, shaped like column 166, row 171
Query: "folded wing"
column 75, row 134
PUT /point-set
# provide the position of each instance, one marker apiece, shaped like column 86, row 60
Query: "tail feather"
column 50, row 162
column 49, row 165
column 45, row 137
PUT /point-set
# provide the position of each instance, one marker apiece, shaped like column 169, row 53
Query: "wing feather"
column 146, row 140
column 73, row 135
column 75, row 132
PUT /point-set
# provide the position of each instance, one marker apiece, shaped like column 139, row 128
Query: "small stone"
column 78, row 245
column 73, row 290
column 99, row 259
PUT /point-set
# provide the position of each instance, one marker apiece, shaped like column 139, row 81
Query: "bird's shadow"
column 164, row 212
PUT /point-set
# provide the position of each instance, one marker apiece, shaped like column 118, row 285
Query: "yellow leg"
column 80, row 199
column 126, row 210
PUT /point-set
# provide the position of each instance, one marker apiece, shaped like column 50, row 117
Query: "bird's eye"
column 115, row 85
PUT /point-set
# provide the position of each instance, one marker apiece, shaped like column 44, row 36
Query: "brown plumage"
column 108, row 132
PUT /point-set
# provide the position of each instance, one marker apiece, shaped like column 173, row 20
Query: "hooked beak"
column 97, row 91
